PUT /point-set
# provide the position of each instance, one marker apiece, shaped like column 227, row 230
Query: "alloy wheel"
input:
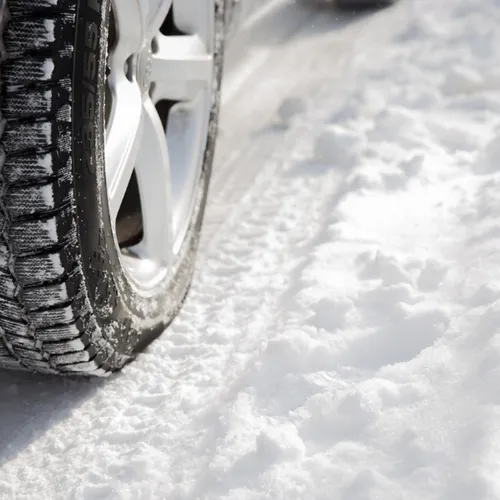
column 160, row 74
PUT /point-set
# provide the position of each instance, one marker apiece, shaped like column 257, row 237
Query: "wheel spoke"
column 130, row 23
column 123, row 138
column 190, row 16
column 153, row 176
column 181, row 67
column 157, row 13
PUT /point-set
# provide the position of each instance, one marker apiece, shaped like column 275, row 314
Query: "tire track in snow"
column 208, row 364
column 189, row 374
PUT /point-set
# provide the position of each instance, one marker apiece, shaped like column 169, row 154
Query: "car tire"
column 67, row 302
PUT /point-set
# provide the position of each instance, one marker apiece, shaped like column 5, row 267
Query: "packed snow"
column 342, row 336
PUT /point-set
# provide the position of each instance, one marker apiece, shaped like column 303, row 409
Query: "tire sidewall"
column 129, row 316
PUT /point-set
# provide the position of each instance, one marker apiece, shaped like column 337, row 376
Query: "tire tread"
column 46, row 323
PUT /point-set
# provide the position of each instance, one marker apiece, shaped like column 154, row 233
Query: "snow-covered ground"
column 342, row 337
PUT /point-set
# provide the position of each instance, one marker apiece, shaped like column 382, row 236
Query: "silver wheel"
column 161, row 69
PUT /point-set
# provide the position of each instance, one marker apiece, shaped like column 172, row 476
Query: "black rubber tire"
column 66, row 307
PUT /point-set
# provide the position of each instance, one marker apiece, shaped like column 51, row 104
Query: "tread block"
column 67, row 347
column 59, row 333
column 26, row 350
column 39, row 366
column 12, row 309
column 26, row 201
column 45, row 297
column 12, row 327
column 26, row 7
column 32, row 235
column 19, row 137
column 81, row 356
column 7, row 285
column 27, row 71
column 33, row 167
column 29, row 34
column 29, row 103
column 89, row 367
column 50, row 317
column 40, row 269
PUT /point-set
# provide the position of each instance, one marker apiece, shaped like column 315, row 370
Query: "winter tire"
column 109, row 113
